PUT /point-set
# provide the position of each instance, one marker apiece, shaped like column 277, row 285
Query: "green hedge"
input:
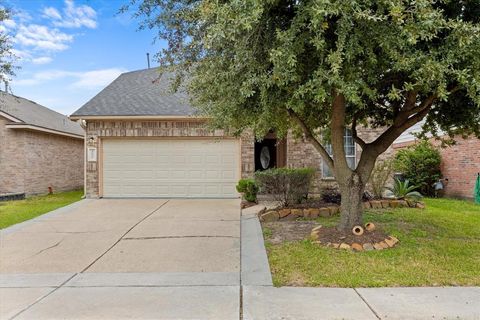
column 286, row 185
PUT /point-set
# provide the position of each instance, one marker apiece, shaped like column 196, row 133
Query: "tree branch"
column 388, row 137
column 410, row 99
column 311, row 138
column 425, row 103
column 385, row 140
column 355, row 136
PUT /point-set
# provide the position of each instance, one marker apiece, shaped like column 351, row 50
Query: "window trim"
column 325, row 165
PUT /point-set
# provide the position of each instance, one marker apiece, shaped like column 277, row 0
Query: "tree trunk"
column 351, row 210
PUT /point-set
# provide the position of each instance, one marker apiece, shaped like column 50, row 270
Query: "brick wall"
column 248, row 154
column 52, row 160
column 302, row 154
column 460, row 164
column 31, row 161
column 12, row 159
column 192, row 128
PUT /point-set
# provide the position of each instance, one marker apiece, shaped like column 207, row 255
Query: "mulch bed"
column 283, row 231
column 332, row 235
column 293, row 230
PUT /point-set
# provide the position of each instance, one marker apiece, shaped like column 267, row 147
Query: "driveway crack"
column 123, row 235
column 48, row 248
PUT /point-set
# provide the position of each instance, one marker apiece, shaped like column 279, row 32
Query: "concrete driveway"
column 97, row 258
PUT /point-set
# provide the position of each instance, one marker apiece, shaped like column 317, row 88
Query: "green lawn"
column 12, row 212
column 438, row 246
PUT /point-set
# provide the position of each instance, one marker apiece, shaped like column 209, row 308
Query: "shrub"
column 286, row 185
column 380, row 174
column 420, row 164
column 403, row 190
column 248, row 188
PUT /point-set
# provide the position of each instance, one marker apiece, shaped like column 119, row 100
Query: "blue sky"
column 69, row 50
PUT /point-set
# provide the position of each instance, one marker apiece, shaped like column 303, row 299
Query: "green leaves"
column 255, row 59
column 403, row 190
column 249, row 189
column 420, row 164
column 7, row 57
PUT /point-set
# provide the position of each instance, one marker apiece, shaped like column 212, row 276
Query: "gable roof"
column 27, row 114
column 138, row 93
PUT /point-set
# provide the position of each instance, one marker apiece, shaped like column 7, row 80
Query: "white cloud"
column 21, row 54
column 92, row 79
column 41, row 37
column 52, row 13
column 9, row 23
column 22, row 15
column 36, row 42
column 42, row 60
column 45, row 76
column 73, row 16
column 97, row 78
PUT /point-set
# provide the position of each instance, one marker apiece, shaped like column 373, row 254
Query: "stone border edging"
column 388, row 242
column 313, row 213
column 290, row 214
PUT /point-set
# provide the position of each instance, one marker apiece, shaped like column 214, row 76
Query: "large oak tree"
column 321, row 66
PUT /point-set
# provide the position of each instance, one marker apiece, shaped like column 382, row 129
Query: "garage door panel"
column 170, row 168
column 195, row 174
column 161, row 174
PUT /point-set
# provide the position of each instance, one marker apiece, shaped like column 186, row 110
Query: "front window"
column 350, row 153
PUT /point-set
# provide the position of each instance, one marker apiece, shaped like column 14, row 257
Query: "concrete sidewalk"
column 358, row 304
column 175, row 296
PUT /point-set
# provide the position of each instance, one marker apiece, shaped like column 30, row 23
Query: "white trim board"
column 41, row 129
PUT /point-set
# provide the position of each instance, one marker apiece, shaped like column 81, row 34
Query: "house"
column 460, row 162
column 142, row 140
column 39, row 148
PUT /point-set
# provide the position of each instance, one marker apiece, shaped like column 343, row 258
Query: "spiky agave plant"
column 403, row 190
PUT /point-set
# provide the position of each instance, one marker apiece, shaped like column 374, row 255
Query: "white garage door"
column 170, row 168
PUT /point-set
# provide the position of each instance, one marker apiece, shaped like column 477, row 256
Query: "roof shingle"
column 30, row 112
column 138, row 93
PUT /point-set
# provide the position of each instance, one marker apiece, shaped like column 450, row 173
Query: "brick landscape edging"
column 313, row 213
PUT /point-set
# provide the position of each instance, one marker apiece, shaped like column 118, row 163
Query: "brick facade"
column 460, row 165
column 299, row 153
column 12, row 159
column 302, row 154
column 32, row 161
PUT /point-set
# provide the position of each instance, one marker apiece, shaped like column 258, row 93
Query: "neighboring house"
column 144, row 141
column 460, row 162
column 39, row 148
